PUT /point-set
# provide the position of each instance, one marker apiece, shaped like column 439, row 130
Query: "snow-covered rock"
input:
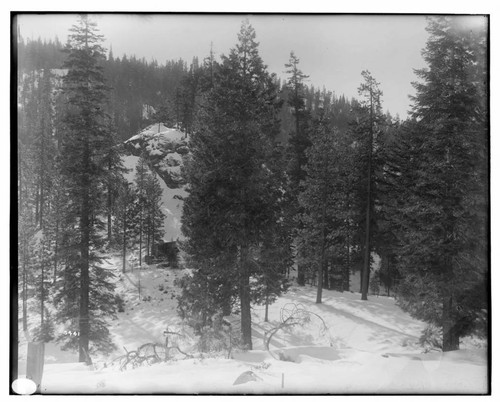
column 163, row 147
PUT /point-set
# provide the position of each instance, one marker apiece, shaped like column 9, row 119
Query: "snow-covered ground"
column 370, row 347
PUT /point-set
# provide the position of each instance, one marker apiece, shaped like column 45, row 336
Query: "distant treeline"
column 143, row 92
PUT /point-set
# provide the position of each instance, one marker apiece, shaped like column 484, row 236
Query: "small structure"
column 168, row 251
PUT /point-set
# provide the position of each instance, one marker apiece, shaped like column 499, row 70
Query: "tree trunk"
column 327, row 283
column 451, row 340
column 85, row 222
column 41, row 177
column 244, row 285
column 37, row 205
column 42, row 294
column 109, row 216
column 84, row 297
column 266, row 315
column 226, row 307
column 140, row 240
column 322, row 264
column 148, row 243
column 319, row 292
column 365, row 278
column 347, row 269
column 109, row 203
column 25, row 296
column 124, row 240
column 56, row 251
column 301, row 278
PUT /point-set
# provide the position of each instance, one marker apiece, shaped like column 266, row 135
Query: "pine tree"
column 124, row 218
column 441, row 186
column 385, row 240
column 368, row 126
column 295, row 84
column 112, row 159
column 85, row 296
column 44, row 145
column 140, row 179
column 228, row 207
column 274, row 259
column 321, row 217
column 154, row 214
column 298, row 141
column 42, row 253
column 37, row 158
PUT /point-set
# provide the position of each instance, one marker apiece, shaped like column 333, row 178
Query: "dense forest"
column 279, row 174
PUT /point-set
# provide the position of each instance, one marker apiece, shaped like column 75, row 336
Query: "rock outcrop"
column 163, row 148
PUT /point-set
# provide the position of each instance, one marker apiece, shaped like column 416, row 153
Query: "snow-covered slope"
column 370, row 347
column 171, row 204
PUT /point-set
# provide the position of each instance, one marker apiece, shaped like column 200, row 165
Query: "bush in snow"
column 200, row 299
column 431, row 338
column 292, row 317
column 374, row 283
column 217, row 337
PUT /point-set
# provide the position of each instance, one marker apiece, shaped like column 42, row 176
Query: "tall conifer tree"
column 85, row 141
column 369, row 128
column 441, row 210
column 297, row 144
column 230, row 205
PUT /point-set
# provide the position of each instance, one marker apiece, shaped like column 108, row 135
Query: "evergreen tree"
column 229, row 205
column 124, row 218
column 274, row 256
column 36, row 175
column 42, row 253
column 385, row 241
column 44, row 146
column 140, row 179
column 85, row 299
column 154, row 214
column 298, row 141
column 441, row 185
column 321, row 201
column 114, row 168
column 368, row 127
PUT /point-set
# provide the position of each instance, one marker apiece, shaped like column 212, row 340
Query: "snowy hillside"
column 172, row 206
column 368, row 347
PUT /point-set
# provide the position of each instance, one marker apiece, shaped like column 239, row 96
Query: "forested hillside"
column 271, row 184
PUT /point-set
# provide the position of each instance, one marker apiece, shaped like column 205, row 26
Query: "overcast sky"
column 333, row 49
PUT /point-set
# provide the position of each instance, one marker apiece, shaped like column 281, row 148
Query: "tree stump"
column 34, row 364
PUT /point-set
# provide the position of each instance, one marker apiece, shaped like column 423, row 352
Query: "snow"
column 159, row 133
column 371, row 347
column 172, row 207
column 59, row 72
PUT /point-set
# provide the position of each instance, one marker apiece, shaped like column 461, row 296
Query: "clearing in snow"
column 368, row 347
